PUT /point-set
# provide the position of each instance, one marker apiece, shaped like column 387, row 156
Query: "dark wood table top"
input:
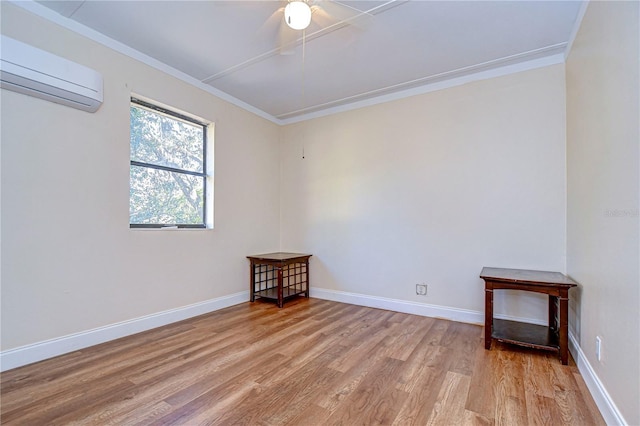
column 278, row 256
column 525, row 276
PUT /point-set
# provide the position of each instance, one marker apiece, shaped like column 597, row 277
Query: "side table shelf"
column 523, row 334
column 553, row 337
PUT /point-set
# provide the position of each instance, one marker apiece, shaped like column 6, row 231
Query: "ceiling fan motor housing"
column 297, row 14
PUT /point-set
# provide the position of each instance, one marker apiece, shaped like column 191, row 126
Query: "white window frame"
column 206, row 174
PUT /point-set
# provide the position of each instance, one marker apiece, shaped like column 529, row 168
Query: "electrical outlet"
column 598, row 348
column 421, row 289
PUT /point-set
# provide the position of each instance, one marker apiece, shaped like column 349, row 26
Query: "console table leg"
column 306, row 293
column 488, row 317
column 553, row 313
column 252, row 282
column 280, row 284
column 563, row 327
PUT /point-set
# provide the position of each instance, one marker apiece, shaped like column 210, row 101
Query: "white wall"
column 431, row 189
column 603, row 221
column 69, row 260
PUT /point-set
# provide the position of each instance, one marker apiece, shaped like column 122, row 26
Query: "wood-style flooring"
column 315, row 362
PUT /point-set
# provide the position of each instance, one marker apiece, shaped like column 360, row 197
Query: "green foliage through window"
column 168, row 169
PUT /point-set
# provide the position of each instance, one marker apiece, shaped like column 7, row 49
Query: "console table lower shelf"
column 523, row 334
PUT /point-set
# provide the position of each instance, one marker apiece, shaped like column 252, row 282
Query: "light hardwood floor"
column 314, row 362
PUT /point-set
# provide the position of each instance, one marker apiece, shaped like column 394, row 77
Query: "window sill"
column 171, row 229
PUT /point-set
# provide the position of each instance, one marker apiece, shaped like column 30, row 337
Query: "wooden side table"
column 551, row 338
column 279, row 276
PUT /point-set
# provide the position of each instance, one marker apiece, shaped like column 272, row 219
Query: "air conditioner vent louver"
column 35, row 72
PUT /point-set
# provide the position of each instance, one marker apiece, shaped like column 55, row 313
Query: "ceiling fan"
column 297, row 15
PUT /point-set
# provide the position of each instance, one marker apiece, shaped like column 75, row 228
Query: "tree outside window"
column 168, row 175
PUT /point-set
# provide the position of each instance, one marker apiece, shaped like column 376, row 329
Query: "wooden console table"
column 556, row 285
column 279, row 276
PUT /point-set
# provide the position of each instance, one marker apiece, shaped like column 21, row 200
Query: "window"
column 168, row 172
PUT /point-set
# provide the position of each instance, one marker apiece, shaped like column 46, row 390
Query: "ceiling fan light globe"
column 297, row 15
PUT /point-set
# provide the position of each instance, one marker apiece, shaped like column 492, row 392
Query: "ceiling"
column 233, row 45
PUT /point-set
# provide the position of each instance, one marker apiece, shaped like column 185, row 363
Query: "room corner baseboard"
column 607, row 407
column 29, row 354
column 404, row 306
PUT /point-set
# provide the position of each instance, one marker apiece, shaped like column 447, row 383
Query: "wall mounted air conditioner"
column 35, row 72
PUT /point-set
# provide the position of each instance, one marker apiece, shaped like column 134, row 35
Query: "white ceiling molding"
column 50, row 15
column 490, row 69
column 576, row 27
column 431, row 87
column 539, row 57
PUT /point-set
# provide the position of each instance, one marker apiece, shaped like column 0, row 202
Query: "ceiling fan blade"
column 341, row 12
column 321, row 18
column 287, row 38
column 271, row 25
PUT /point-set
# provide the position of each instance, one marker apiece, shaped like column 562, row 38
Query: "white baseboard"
column 415, row 308
column 605, row 404
column 28, row 354
column 519, row 319
column 608, row 408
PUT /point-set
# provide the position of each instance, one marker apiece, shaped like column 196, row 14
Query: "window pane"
column 168, row 198
column 159, row 139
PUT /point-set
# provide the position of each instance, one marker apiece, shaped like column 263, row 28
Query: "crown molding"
column 576, row 28
column 430, row 84
column 50, row 15
column 538, row 58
